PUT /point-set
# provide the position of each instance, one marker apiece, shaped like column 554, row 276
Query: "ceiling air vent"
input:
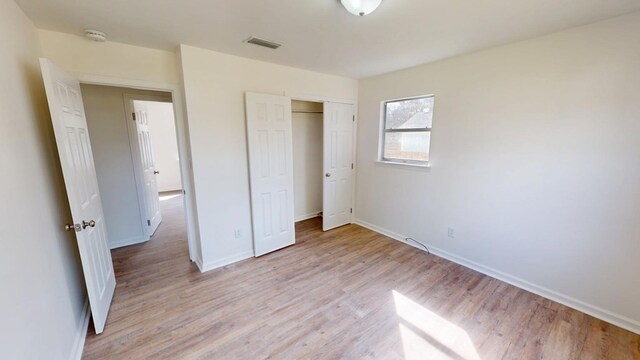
column 262, row 42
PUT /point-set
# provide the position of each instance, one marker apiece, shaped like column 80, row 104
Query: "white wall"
column 534, row 164
column 307, row 164
column 81, row 56
column 164, row 144
column 214, row 86
column 107, row 121
column 43, row 296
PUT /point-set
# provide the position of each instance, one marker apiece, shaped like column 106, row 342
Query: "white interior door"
column 149, row 172
column 337, row 165
column 271, row 171
column 76, row 159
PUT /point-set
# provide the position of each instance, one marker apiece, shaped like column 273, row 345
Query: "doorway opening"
column 323, row 161
column 135, row 146
column 78, row 163
column 307, row 126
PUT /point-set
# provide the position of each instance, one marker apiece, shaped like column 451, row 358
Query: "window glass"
column 406, row 134
column 407, row 146
column 409, row 114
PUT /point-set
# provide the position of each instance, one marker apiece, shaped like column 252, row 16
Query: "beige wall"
column 80, row 56
column 41, row 306
column 535, row 164
column 105, row 110
column 214, row 85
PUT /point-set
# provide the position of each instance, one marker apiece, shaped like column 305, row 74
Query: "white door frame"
column 322, row 99
column 184, row 143
column 135, row 154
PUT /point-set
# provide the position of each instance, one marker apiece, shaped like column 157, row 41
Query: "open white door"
column 337, row 165
column 76, row 158
column 149, row 172
column 271, row 171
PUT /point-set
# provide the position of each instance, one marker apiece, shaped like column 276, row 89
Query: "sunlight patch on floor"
column 425, row 335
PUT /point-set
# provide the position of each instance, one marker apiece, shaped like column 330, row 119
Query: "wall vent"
column 262, row 42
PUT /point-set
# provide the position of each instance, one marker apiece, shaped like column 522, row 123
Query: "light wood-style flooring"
column 349, row 293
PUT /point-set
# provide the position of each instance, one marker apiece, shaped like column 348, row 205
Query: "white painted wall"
column 214, row 85
column 105, row 111
column 307, row 164
column 81, row 56
column 165, row 145
column 534, row 164
column 43, row 296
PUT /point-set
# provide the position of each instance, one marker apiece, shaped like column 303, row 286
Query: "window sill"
column 405, row 165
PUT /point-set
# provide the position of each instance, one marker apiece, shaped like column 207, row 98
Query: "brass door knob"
column 72, row 227
column 86, row 224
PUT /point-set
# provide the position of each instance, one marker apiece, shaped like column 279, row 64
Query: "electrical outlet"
column 238, row 233
column 451, row 233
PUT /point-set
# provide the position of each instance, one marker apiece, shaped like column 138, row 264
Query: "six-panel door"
column 269, row 134
column 337, row 165
column 152, row 200
column 76, row 159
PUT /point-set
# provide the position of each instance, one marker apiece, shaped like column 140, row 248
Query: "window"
column 406, row 134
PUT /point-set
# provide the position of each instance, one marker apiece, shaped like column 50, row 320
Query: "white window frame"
column 383, row 132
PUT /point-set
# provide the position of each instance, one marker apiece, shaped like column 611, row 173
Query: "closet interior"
column 307, row 126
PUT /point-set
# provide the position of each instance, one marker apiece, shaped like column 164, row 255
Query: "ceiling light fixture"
column 361, row 7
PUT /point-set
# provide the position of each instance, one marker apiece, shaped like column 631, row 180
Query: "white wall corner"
column 211, row 265
column 199, row 264
column 81, row 336
column 597, row 312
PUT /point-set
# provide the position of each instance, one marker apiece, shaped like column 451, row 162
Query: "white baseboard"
column 223, row 262
column 81, row 336
column 126, row 242
column 307, row 216
column 198, row 262
column 597, row 312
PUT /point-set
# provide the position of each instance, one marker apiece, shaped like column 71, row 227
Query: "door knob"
column 86, row 224
column 156, row 172
column 327, row 175
column 70, row 227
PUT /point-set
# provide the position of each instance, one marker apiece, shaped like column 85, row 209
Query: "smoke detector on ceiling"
column 95, row 35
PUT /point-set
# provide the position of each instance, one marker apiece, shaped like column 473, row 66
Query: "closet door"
column 269, row 135
column 337, row 165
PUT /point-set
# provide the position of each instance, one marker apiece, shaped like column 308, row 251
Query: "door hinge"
column 149, row 222
column 352, row 210
column 354, row 118
column 351, row 166
column 134, row 116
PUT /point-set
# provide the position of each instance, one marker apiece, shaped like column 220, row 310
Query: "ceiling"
column 321, row 35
